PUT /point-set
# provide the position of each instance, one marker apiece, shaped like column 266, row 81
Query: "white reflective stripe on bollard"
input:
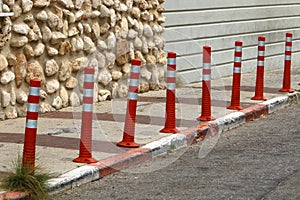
column 86, row 107
column 88, row 77
column 171, row 73
column 261, row 53
column 237, row 70
column 171, row 61
column 261, row 43
column 288, row 48
column 260, row 63
column 134, row 82
column 34, row 91
column 206, row 65
column 132, row 96
column 135, row 69
column 206, row 77
column 238, row 48
column 288, row 57
column 32, row 107
column 289, row 39
column 88, row 92
column 238, row 59
column 31, row 123
column 171, row 86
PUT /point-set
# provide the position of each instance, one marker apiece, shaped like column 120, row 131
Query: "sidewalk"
column 59, row 132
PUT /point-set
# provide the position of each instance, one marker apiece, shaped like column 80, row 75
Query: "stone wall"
column 54, row 39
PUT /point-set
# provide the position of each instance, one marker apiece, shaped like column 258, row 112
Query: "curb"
column 14, row 196
column 95, row 171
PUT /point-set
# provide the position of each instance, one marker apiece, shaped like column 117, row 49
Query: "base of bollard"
column 287, row 90
column 85, row 160
column 128, row 144
column 169, row 130
column 262, row 98
column 206, row 118
column 235, row 108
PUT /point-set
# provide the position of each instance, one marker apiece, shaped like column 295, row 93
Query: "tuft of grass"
column 28, row 179
column 172, row 147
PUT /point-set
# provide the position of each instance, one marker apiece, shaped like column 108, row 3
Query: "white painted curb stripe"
column 276, row 103
column 166, row 144
column 75, row 177
column 231, row 120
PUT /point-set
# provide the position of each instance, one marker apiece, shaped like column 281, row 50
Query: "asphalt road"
column 259, row 160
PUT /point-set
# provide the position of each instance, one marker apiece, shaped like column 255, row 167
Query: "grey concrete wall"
column 194, row 23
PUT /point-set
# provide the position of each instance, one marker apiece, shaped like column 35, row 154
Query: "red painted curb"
column 14, row 196
column 203, row 130
column 191, row 135
column 255, row 112
column 122, row 161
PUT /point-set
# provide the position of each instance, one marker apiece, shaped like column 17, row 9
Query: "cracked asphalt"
column 259, row 160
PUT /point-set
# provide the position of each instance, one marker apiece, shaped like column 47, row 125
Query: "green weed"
column 28, row 179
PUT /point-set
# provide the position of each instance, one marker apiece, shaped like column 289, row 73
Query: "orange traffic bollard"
column 31, row 123
column 85, row 148
column 236, row 84
column 287, row 64
column 259, row 89
column 129, row 127
column 170, row 123
column 206, row 89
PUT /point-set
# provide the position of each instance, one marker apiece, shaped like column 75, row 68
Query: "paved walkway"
column 59, row 132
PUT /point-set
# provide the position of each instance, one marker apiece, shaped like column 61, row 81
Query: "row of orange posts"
column 85, row 148
column 236, row 83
